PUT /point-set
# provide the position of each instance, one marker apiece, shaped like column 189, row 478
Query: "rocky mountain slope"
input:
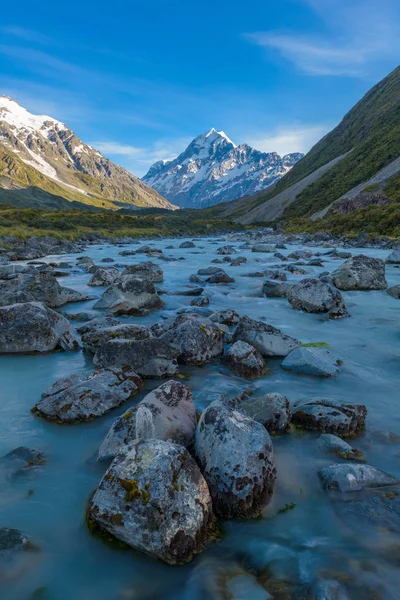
column 360, row 156
column 41, row 153
column 213, row 169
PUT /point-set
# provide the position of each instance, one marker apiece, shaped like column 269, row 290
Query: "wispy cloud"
column 138, row 160
column 294, row 138
column 25, row 34
column 356, row 35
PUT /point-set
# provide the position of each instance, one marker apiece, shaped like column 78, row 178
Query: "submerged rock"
column 332, row 443
column 166, row 413
column 236, row 456
column 271, row 410
column 353, row 477
column 245, row 360
column 33, row 327
column 145, row 270
column 93, row 339
column 151, row 357
column 154, row 498
column 130, row 296
column 81, row 398
column 329, row 416
column 197, row 339
column 314, row 296
column 361, row 273
column 20, row 460
column 13, row 544
column 267, row 339
column 311, row 361
column 104, row 276
column 394, row 291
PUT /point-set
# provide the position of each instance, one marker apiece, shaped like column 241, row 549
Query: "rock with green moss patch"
column 154, row 498
column 92, row 340
column 314, row 296
column 329, row 416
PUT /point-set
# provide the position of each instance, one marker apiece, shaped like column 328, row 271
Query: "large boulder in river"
column 329, row 416
column 276, row 289
column 361, row 273
column 315, row 296
column 350, row 477
column 104, row 276
column 41, row 287
column 394, row 258
column 166, row 413
column 245, row 360
column 196, row 339
column 312, row 361
column 267, row 339
column 151, row 357
column 92, row 340
column 154, row 498
column 81, row 397
column 130, row 296
column 145, row 270
column 33, row 327
column 236, row 456
column 98, row 323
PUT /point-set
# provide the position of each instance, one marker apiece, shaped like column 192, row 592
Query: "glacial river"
column 297, row 546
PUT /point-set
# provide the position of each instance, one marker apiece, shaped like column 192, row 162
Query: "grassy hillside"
column 70, row 224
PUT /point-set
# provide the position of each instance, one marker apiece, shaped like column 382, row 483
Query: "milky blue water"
column 299, row 545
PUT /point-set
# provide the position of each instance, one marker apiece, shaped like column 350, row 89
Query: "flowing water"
column 298, row 545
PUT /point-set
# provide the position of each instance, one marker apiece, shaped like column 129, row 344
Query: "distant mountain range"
column 44, row 164
column 353, row 169
column 213, row 169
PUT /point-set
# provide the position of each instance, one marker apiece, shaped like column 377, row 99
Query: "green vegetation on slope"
column 70, row 224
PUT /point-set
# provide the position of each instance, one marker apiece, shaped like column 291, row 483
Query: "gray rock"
column 394, row 258
column 361, row 273
column 225, row 250
column 154, row 498
column 262, row 248
column 130, row 296
column 244, row 360
column 13, row 545
column 354, row 477
column 271, row 410
column 166, row 413
column 209, row 271
column 81, row 398
column 195, row 279
column 84, row 262
column 9, row 271
column 220, row 277
column 41, row 287
column 145, row 270
column 236, row 456
column 329, row 416
column 21, row 460
column 190, row 292
column 373, row 514
column 93, row 339
column 267, row 339
column 107, row 259
column 202, row 301
column 334, row 444
column 33, row 327
column 104, row 276
column 314, row 296
column 149, row 358
column 187, row 245
column 328, row 589
column 225, row 317
column 300, row 254
column 276, row 289
column 394, row 291
column 197, row 339
column 311, row 361
column 98, row 323
column 240, row 260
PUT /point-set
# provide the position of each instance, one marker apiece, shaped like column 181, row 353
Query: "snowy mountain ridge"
column 214, row 169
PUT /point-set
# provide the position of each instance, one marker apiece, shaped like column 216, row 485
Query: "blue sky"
column 139, row 80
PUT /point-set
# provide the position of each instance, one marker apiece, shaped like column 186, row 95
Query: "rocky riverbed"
column 226, row 405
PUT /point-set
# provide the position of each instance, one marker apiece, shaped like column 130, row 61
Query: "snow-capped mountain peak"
column 214, row 169
column 19, row 118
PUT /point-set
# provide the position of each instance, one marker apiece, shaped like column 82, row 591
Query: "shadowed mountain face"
column 213, row 169
column 41, row 151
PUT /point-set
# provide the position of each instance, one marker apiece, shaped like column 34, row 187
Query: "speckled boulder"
column 81, row 397
column 92, row 340
column 272, row 410
column 312, row 361
column 197, row 339
column 166, row 413
column 33, row 327
column 361, row 273
column 145, row 270
column 314, row 296
column 328, row 442
column 151, row 357
column 236, row 457
column 244, row 360
column 41, row 287
column 155, row 499
column 130, row 296
column 104, row 276
column 267, row 339
column 329, row 416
